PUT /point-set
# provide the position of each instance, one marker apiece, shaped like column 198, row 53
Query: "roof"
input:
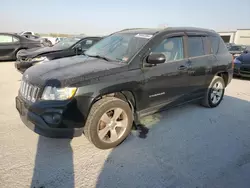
column 153, row 31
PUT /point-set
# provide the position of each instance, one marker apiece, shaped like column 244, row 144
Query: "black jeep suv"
column 127, row 75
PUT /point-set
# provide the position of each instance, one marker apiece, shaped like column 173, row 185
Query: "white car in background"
column 27, row 33
column 51, row 39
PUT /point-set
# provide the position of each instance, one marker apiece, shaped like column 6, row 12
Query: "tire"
column 17, row 53
column 93, row 122
column 208, row 101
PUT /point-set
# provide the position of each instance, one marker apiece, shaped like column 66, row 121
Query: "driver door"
column 167, row 82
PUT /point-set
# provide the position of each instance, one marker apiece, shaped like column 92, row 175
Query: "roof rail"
column 131, row 29
column 124, row 30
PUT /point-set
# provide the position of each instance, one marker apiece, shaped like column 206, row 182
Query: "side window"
column 206, row 45
column 172, row 48
column 6, row 39
column 14, row 39
column 214, row 41
column 87, row 43
column 222, row 46
column 195, row 47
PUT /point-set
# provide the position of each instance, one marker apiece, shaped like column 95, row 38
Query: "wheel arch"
column 125, row 95
column 224, row 75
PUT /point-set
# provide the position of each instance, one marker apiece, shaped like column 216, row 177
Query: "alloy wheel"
column 112, row 125
column 217, row 92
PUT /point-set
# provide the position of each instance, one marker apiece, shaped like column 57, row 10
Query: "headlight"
column 40, row 59
column 53, row 93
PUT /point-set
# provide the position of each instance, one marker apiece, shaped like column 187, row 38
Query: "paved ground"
column 189, row 146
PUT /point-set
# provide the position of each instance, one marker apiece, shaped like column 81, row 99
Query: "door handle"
column 182, row 67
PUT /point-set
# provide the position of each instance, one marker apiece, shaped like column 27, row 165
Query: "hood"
column 235, row 52
column 72, row 70
column 33, row 52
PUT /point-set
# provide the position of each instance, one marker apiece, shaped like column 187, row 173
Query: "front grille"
column 245, row 69
column 29, row 91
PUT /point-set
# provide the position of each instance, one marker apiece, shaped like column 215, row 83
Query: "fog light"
column 56, row 118
column 53, row 119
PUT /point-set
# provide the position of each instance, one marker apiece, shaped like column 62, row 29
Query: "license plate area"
column 19, row 106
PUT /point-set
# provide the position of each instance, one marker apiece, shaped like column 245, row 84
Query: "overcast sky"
column 105, row 16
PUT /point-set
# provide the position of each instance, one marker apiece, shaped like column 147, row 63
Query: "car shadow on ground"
column 53, row 164
column 185, row 147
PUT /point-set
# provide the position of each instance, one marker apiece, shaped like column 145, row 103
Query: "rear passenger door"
column 200, row 60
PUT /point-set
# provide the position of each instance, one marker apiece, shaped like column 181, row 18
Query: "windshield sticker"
column 125, row 59
column 144, row 36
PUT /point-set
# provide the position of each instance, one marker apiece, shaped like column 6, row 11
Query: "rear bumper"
column 37, row 123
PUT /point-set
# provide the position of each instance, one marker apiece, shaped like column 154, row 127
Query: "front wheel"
column 215, row 93
column 109, row 122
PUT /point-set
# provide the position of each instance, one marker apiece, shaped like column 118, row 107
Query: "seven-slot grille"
column 28, row 91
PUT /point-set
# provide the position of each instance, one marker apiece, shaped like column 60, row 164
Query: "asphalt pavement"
column 188, row 146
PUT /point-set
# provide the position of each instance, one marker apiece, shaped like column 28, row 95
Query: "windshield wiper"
column 100, row 57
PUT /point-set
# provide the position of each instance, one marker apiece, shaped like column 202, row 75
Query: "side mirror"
column 78, row 48
column 156, row 58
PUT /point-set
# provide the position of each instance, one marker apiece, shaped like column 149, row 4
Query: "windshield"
column 67, row 42
column 119, row 46
column 236, row 48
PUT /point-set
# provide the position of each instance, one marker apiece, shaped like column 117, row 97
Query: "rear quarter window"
column 222, row 46
column 214, row 41
column 217, row 45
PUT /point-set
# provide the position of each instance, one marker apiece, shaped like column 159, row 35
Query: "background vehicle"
column 27, row 33
column 229, row 45
column 51, row 39
column 242, row 65
column 11, row 44
column 236, row 50
column 66, row 48
column 123, row 77
column 43, row 41
column 58, row 39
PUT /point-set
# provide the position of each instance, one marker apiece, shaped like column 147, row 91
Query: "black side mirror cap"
column 156, row 58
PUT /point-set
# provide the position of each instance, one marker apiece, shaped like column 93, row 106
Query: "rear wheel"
column 215, row 93
column 15, row 58
column 109, row 122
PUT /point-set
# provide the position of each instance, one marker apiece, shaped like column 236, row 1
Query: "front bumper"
column 33, row 117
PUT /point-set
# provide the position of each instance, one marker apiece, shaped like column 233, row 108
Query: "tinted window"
column 88, row 43
column 206, row 45
column 222, row 46
column 172, row 48
column 195, row 47
column 214, row 41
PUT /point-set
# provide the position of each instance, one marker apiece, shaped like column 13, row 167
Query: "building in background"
column 240, row 36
